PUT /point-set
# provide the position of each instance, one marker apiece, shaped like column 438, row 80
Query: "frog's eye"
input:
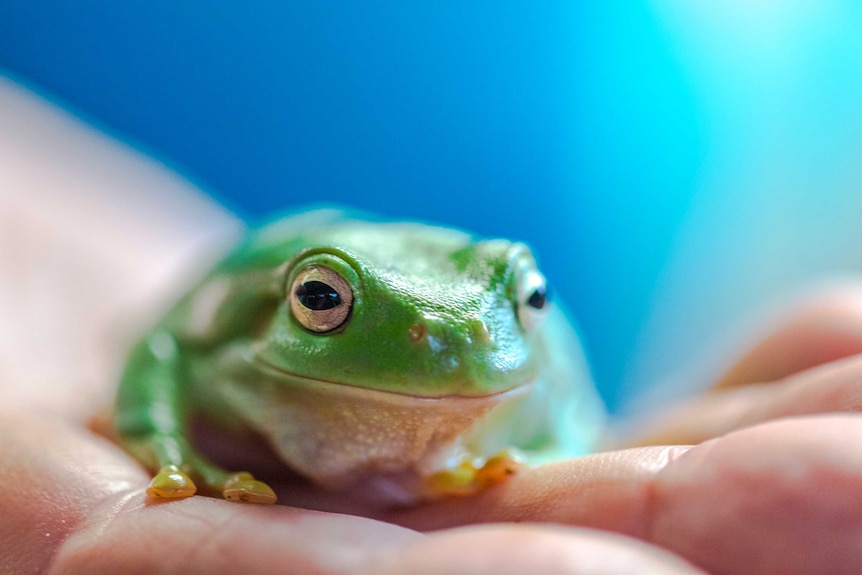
column 320, row 299
column 532, row 297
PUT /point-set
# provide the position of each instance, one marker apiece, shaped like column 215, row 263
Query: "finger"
column 830, row 388
column 606, row 491
column 206, row 535
column 517, row 549
column 781, row 497
column 824, row 327
column 203, row 535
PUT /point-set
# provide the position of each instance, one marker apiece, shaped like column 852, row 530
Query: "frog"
column 410, row 359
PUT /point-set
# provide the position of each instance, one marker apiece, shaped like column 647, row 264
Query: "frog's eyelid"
column 519, row 256
column 299, row 257
column 299, row 262
column 527, row 281
column 514, row 259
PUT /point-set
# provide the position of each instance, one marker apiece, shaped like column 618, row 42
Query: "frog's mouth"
column 334, row 433
column 342, row 388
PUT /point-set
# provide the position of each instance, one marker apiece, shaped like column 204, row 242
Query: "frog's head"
column 407, row 308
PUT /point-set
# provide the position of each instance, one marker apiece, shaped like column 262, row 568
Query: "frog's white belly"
column 337, row 435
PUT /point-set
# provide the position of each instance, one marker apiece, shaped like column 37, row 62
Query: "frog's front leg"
column 151, row 422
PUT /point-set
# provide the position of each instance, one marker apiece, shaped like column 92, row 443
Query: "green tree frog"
column 415, row 360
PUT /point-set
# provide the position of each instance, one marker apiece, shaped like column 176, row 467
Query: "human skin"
column 770, row 494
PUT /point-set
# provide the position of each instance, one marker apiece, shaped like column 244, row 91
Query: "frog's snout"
column 464, row 353
column 426, row 332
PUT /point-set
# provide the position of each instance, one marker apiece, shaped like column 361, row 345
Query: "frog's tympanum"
column 418, row 361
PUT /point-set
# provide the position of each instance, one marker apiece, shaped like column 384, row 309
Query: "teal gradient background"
column 674, row 164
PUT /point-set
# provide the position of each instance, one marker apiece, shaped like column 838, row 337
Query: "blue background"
column 590, row 130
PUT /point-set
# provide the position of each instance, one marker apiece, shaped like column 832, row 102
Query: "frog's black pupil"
column 317, row 296
column 538, row 298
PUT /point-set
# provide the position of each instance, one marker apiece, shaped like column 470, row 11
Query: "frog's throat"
column 275, row 371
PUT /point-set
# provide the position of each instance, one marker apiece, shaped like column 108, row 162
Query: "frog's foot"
column 244, row 487
column 458, row 480
column 470, row 477
column 171, row 483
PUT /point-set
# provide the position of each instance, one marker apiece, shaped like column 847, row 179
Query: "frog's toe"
column 171, row 483
column 498, row 468
column 458, row 480
column 245, row 488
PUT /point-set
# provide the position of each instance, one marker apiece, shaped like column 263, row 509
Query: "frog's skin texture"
column 413, row 360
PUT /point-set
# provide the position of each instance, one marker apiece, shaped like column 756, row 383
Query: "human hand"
column 771, row 495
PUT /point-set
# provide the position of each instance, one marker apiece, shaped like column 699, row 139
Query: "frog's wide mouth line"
column 341, row 387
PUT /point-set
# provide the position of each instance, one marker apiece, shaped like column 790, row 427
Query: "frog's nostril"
column 417, row 332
